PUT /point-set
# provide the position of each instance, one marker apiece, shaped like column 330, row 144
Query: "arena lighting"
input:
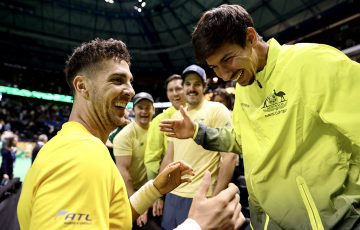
column 110, row 1
column 36, row 94
column 139, row 5
column 58, row 97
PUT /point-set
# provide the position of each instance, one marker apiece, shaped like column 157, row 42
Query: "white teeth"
column 239, row 75
column 121, row 104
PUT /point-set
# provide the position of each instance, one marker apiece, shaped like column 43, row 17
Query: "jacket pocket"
column 314, row 216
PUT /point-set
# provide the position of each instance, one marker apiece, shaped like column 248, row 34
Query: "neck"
column 94, row 126
column 144, row 126
column 194, row 106
column 262, row 50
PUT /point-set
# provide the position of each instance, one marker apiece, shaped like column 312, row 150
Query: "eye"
column 118, row 81
column 228, row 59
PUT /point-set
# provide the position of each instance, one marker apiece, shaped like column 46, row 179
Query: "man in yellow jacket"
column 295, row 120
column 156, row 144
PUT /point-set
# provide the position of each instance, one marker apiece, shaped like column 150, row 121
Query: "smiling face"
column 233, row 62
column 175, row 93
column 110, row 91
column 194, row 89
column 144, row 111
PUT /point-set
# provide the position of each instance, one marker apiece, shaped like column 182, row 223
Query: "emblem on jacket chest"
column 275, row 103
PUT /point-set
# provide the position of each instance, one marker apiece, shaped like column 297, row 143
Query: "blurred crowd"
column 28, row 117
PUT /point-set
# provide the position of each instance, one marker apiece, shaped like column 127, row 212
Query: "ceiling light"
column 143, row 4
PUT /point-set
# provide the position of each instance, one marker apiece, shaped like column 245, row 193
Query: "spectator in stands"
column 296, row 120
column 42, row 139
column 220, row 95
column 129, row 148
column 8, row 153
column 75, row 183
column 156, row 146
column 221, row 165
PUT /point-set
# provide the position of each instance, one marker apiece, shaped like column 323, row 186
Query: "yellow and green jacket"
column 156, row 144
column 299, row 132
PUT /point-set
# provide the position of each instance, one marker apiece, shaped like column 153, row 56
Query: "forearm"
column 217, row 139
column 128, row 180
column 143, row 199
column 226, row 170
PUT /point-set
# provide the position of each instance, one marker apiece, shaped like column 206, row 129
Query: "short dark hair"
column 223, row 24
column 94, row 52
column 171, row 78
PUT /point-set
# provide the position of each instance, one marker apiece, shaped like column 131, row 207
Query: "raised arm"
column 214, row 139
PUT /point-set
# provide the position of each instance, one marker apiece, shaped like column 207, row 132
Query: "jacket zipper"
column 315, row 220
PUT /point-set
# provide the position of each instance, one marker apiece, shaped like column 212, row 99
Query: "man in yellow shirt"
column 129, row 147
column 156, row 144
column 221, row 165
column 74, row 183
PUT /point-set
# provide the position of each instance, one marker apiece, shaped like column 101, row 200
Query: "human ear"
column 81, row 86
column 251, row 35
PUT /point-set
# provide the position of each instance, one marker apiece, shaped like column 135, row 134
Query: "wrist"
column 144, row 198
column 196, row 129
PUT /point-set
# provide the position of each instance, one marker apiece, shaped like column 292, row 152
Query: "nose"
column 130, row 90
column 192, row 87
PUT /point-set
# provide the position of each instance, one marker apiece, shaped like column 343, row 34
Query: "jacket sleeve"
column 155, row 149
column 340, row 106
column 217, row 139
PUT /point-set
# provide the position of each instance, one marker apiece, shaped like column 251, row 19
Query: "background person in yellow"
column 157, row 141
column 129, row 147
column 296, row 119
column 220, row 165
column 74, row 183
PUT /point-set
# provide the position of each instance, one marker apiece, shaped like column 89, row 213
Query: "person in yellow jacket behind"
column 295, row 120
column 156, row 144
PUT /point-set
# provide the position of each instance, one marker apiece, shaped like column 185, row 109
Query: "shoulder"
column 217, row 107
column 128, row 130
column 312, row 53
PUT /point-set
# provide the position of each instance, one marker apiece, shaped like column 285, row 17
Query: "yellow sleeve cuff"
column 196, row 130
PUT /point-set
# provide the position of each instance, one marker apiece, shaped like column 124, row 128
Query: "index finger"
column 168, row 122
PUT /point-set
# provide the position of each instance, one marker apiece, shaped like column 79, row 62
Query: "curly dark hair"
column 223, row 24
column 92, row 53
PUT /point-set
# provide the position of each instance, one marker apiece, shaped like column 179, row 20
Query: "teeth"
column 239, row 75
column 121, row 104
